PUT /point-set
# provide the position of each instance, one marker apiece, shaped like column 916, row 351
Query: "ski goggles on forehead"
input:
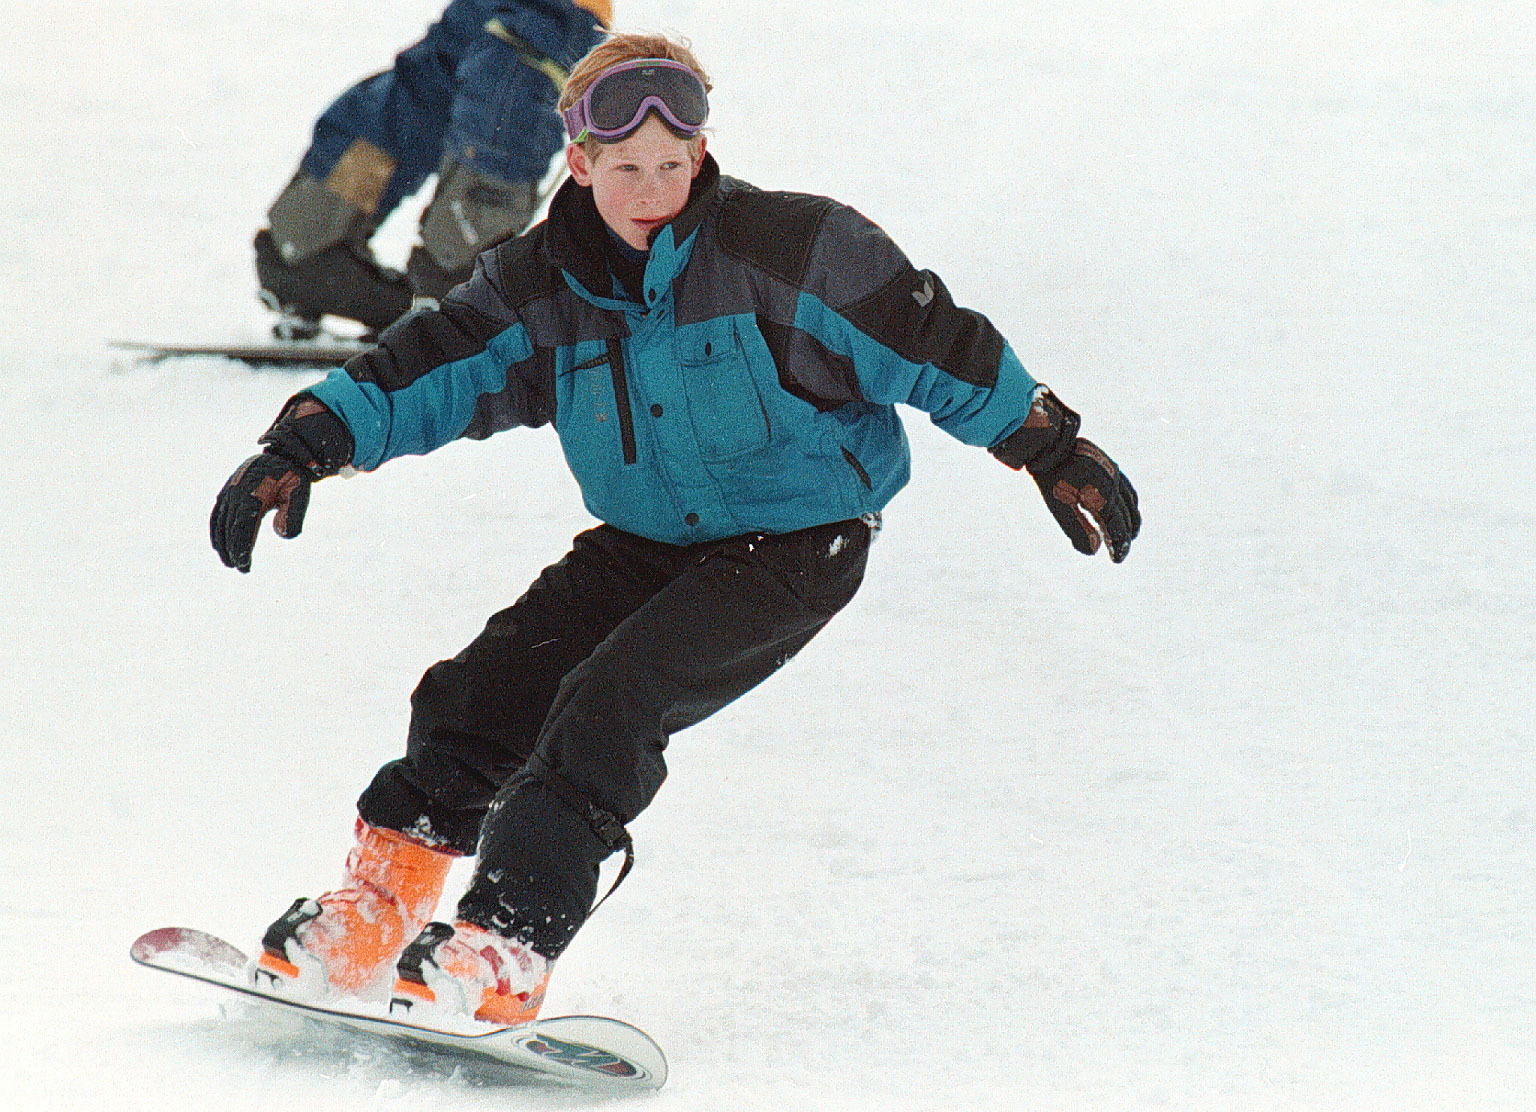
column 617, row 102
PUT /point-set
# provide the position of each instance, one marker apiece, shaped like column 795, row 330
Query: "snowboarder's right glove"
column 1083, row 488
column 305, row 443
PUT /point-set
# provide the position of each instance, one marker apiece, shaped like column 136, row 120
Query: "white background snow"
column 1245, row 823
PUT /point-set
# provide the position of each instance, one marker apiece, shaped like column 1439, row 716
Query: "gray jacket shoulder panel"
column 812, row 243
column 771, row 231
column 836, row 254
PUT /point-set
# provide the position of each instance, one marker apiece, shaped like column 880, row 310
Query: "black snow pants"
column 533, row 745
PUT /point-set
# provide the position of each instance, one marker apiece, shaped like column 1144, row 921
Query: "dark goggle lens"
column 616, row 100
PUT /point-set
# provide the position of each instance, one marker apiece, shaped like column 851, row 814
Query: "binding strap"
column 605, row 824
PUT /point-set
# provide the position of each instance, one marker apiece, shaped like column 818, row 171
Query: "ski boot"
column 348, row 940
column 314, row 260
column 467, row 971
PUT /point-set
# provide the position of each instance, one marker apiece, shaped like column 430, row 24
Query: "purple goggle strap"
column 578, row 117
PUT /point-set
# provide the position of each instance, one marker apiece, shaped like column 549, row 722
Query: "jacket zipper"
column 621, row 398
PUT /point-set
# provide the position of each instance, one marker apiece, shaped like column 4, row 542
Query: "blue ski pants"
column 486, row 97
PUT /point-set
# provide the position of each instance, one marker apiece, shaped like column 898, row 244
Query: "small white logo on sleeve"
column 924, row 295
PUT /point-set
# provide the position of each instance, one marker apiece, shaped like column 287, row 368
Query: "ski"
column 259, row 353
column 593, row 1052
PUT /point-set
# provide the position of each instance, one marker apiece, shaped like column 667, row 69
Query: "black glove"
column 305, row 443
column 1084, row 490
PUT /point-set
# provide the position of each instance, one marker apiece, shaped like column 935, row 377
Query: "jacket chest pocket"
column 724, row 406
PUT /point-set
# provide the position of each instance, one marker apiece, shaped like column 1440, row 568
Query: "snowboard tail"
column 578, row 1050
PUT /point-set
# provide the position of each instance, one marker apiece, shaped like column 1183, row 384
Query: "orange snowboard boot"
column 466, row 971
column 348, row 940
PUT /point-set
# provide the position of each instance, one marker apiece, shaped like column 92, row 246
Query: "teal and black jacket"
column 749, row 384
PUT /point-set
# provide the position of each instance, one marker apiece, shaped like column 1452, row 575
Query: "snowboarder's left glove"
column 1086, row 493
column 305, row 443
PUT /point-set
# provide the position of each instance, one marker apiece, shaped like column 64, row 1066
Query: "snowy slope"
column 1247, row 822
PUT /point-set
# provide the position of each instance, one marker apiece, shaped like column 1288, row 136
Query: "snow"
column 1245, row 822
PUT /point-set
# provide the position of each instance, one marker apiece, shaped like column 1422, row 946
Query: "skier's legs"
column 380, row 139
column 722, row 626
column 373, row 146
column 472, row 101
column 465, row 92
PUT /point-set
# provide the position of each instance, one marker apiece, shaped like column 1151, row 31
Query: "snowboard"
column 256, row 353
column 591, row 1052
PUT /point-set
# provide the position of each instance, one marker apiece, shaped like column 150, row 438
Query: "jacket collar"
column 577, row 234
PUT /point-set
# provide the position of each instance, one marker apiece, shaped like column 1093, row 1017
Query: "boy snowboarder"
column 722, row 366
